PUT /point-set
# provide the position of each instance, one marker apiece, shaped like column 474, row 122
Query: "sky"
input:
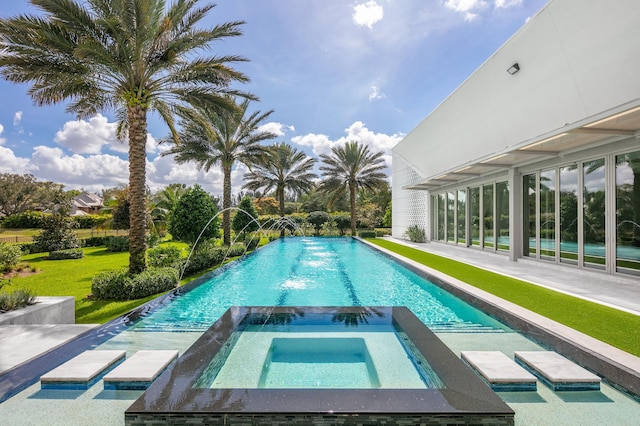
column 331, row 71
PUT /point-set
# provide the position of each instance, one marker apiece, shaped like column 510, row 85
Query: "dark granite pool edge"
column 568, row 342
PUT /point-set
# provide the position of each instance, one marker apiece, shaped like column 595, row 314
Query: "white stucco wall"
column 578, row 59
column 409, row 207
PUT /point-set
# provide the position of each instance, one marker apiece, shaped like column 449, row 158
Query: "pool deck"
column 622, row 293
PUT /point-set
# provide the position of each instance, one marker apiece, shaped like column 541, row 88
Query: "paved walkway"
column 617, row 291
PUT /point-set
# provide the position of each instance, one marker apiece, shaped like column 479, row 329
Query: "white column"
column 515, row 214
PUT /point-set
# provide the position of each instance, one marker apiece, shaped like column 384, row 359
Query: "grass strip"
column 617, row 328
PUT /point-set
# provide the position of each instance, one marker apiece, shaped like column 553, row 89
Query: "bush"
column 237, row 249
column 57, row 234
column 161, row 257
column 343, row 222
column 94, row 241
column 415, row 234
column 24, row 220
column 252, row 243
column 117, row 244
column 66, row 254
column 381, row 232
column 91, row 220
column 317, row 219
column 9, row 256
column 204, row 257
column 192, row 213
column 120, row 285
column 30, row 248
column 16, row 299
column 367, row 234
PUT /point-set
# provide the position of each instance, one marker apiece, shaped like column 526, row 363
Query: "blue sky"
column 331, row 70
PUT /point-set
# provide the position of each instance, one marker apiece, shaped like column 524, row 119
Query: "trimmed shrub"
column 252, row 243
column 206, row 256
column 342, row 221
column 153, row 281
column 91, row 220
column 367, row 234
column 28, row 219
column 66, row 254
column 9, row 256
column 94, row 241
column 381, row 232
column 120, row 285
column 161, row 257
column 415, row 234
column 317, row 219
column 237, row 249
column 57, row 234
column 117, row 244
column 30, row 248
column 111, row 285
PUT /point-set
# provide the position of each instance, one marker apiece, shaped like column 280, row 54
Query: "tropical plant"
column 246, row 219
column 209, row 138
column 317, row 219
column 351, row 167
column 163, row 203
column 134, row 56
column 415, row 234
column 191, row 217
column 283, row 169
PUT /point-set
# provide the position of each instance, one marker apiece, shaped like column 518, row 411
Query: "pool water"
column 317, row 272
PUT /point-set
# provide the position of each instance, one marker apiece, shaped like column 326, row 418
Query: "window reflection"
column 628, row 212
column 548, row 214
column 474, row 215
column 441, row 206
column 451, row 203
column 462, row 202
column 529, row 215
column 593, row 194
column 569, row 213
column 502, row 223
column 487, row 208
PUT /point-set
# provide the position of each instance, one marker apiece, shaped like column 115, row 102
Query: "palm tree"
column 209, row 138
column 283, row 169
column 162, row 204
column 134, row 56
column 351, row 167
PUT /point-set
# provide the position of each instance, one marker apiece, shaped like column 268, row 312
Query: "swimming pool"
column 304, row 271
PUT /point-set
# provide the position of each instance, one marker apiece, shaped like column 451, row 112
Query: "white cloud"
column 88, row 137
column 17, row 117
column 469, row 8
column 321, row 144
column 9, row 163
column 277, row 129
column 376, row 94
column 2, row 140
column 507, row 3
column 367, row 14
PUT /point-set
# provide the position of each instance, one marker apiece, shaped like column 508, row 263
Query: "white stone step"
column 500, row 372
column 139, row 370
column 82, row 371
column 558, row 372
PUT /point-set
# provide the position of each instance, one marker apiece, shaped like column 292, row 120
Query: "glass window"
column 487, row 208
column 593, row 194
column 474, row 216
column 548, row 214
column 451, row 221
column 502, row 215
column 628, row 212
column 462, row 203
column 569, row 214
column 441, row 206
column 529, row 215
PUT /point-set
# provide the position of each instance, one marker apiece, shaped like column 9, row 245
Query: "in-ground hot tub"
column 305, row 365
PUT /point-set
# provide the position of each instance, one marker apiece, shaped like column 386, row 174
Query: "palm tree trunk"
column 137, row 116
column 281, row 198
column 226, row 204
column 352, row 201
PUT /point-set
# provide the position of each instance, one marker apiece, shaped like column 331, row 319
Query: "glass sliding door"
column 487, row 209
column 569, row 214
column 594, row 213
column 548, row 214
column 461, row 214
column 628, row 213
column 441, row 211
column 502, row 215
column 474, row 216
column 451, row 221
column 530, row 214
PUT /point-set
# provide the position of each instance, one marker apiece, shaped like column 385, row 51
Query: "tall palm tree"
column 209, row 139
column 351, row 167
column 284, row 169
column 134, row 56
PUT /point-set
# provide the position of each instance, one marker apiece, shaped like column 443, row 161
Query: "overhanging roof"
column 620, row 125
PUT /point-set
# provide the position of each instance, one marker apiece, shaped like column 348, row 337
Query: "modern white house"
column 537, row 153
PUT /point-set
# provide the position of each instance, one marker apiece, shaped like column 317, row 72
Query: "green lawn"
column 617, row 328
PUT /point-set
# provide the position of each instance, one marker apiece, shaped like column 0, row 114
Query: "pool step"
column 82, row 371
column 499, row 371
column 462, row 327
column 558, row 372
column 139, row 370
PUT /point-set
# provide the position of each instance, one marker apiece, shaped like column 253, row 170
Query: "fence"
column 82, row 233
